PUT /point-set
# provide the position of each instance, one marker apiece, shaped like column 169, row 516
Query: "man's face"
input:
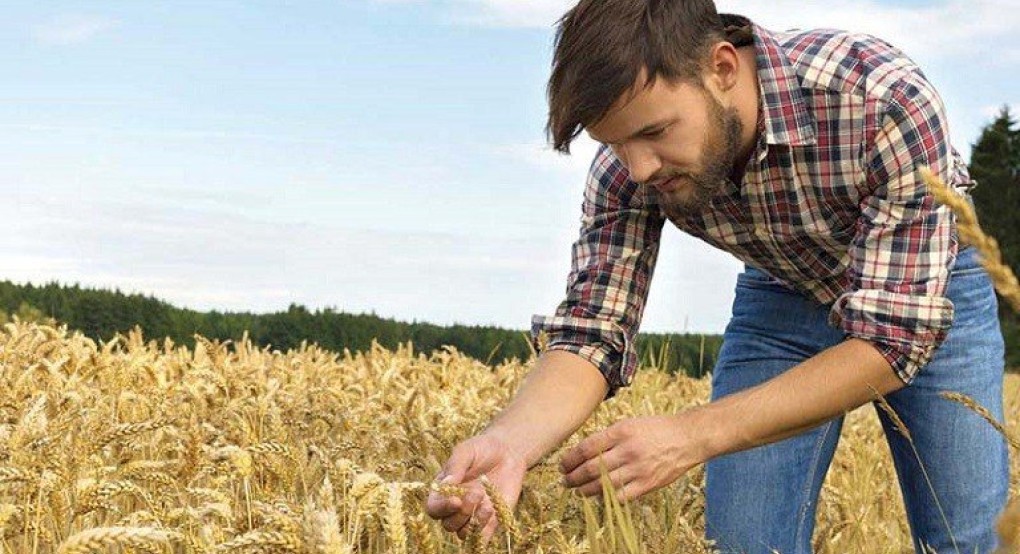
column 676, row 137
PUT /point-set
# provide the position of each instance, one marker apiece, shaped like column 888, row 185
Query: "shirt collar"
column 787, row 118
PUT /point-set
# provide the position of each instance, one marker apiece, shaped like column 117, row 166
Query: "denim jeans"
column 765, row 499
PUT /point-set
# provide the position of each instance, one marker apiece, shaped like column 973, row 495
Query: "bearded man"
column 799, row 153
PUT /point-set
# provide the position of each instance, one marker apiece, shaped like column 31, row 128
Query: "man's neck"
column 749, row 109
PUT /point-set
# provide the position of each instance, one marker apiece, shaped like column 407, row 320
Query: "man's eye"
column 655, row 133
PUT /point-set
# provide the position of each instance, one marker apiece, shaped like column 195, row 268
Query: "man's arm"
column 589, row 353
column 896, row 311
column 612, row 263
column 833, row 382
column 906, row 243
column 556, row 398
column 646, row 453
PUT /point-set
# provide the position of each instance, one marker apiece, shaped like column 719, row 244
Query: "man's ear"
column 721, row 68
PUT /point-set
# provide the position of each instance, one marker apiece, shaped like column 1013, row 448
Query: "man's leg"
column 965, row 459
column 764, row 499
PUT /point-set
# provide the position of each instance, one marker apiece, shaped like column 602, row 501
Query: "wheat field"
column 145, row 446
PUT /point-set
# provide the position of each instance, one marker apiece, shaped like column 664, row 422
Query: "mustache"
column 663, row 180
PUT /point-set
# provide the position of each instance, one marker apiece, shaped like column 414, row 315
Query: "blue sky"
column 369, row 155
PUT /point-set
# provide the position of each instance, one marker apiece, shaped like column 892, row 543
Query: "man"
column 797, row 152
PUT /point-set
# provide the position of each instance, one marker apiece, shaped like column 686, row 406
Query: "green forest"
column 99, row 314
column 995, row 165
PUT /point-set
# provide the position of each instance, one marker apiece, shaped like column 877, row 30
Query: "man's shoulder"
column 834, row 61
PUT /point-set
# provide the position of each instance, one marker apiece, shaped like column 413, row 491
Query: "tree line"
column 100, row 314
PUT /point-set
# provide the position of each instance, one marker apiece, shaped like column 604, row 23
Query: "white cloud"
column 71, row 29
column 949, row 29
column 992, row 111
column 952, row 28
column 219, row 259
column 511, row 13
column 541, row 156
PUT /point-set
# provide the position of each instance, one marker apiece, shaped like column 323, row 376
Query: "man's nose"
column 641, row 162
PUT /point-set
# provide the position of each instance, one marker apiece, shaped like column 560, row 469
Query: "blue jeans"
column 765, row 499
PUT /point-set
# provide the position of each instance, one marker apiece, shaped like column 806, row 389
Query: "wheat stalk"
column 1008, row 286
column 972, row 405
column 1008, row 528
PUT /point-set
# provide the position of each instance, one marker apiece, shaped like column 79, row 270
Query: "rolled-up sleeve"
column 905, row 243
column 612, row 262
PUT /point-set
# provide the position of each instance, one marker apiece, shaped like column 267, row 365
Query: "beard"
column 695, row 190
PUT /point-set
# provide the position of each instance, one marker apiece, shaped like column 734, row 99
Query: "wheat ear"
column 101, row 538
column 503, row 512
column 980, row 410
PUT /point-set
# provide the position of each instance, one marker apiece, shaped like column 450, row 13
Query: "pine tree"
column 995, row 165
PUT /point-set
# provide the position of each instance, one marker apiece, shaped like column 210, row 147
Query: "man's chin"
column 683, row 205
column 683, row 211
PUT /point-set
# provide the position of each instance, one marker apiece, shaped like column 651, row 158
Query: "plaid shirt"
column 831, row 205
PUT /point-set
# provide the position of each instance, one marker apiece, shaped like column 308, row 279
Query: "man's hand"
column 480, row 455
column 641, row 455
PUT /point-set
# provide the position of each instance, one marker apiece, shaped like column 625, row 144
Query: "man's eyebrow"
column 641, row 131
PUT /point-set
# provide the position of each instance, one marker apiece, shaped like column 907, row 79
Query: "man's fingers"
column 438, row 506
column 455, row 523
column 468, row 508
column 475, row 507
column 590, row 470
column 585, row 450
column 458, row 522
column 457, row 467
column 489, row 531
column 619, row 479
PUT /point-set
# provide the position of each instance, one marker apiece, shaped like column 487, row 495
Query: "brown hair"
column 601, row 46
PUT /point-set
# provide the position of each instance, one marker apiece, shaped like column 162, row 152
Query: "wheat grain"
column 422, row 535
column 396, row 527
column 123, row 431
column 260, row 539
column 91, row 540
column 895, row 417
column 503, row 512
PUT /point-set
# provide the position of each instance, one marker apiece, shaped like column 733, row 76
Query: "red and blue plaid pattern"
column 832, row 205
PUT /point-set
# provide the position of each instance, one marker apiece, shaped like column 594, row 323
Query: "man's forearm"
column 555, row 399
column 827, row 385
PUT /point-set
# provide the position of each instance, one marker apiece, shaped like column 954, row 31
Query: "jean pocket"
column 968, row 262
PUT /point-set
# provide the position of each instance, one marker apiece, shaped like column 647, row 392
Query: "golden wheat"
column 231, row 447
column 102, row 538
column 503, row 512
